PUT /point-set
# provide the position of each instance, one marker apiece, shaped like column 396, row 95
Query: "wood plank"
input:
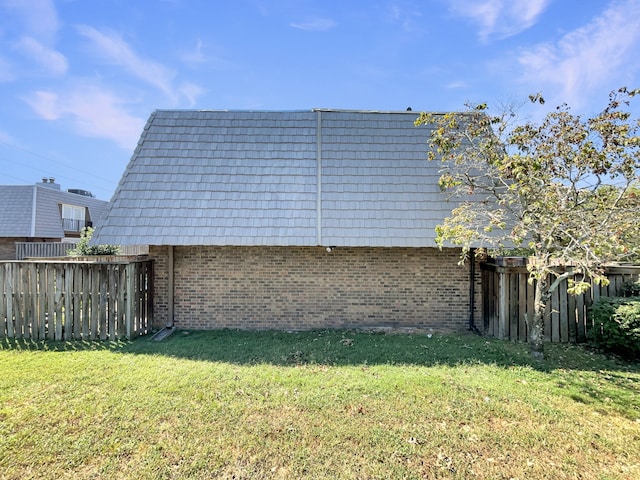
column 563, row 317
column 87, row 332
column 531, row 287
column 522, row 307
column 95, row 303
column 139, row 304
column 121, row 306
column 615, row 288
column 581, row 318
column 42, row 271
column 32, row 294
column 129, row 301
column 547, row 317
column 102, row 300
column 112, row 300
column 78, row 290
column 31, row 302
column 571, row 318
column 493, row 304
column 555, row 316
column 503, row 305
column 59, row 302
column 484, row 293
column 51, row 293
column 513, row 306
column 67, row 330
column 21, row 283
column 11, row 324
column 5, row 319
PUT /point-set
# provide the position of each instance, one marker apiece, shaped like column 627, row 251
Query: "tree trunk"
column 536, row 325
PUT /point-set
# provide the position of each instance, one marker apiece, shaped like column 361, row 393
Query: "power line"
column 49, row 159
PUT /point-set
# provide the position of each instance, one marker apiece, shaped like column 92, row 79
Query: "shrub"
column 631, row 289
column 83, row 249
column 617, row 325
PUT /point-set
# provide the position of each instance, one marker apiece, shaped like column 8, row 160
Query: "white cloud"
column 39, row 16
column 54, row 62
column 405, row 17
column 196, row 55
column 457, row 84
column 118, row 52
column 316, row 24
column 6, row 138
column 191, row 92
column 45, row 104
column 6, row 72
column 500, row 18
column 602, row 54
column 93, row 112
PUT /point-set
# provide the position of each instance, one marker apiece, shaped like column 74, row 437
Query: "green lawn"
column 315, row 405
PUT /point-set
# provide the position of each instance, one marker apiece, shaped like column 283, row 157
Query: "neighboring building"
column 44, row 213
column 290, row 220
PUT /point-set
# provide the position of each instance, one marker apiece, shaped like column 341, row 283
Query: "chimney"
column 49, row 182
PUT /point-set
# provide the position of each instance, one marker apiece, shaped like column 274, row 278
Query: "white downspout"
column 319, row 177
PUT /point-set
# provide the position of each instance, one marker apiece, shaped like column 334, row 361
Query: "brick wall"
column 301, row 288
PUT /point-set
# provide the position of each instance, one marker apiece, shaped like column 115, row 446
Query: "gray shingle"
column 250, row 178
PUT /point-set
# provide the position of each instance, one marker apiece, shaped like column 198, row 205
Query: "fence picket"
column 94, row 274
column 11, row 333
column 505, row 303
column 571, row 318
column 111, row 301
column 64, row 300
column 563, row 312
column 4, row 318
column 102, row 294
column 41, row 297
column 59, row 301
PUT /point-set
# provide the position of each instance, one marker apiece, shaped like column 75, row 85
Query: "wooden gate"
column 64, row 300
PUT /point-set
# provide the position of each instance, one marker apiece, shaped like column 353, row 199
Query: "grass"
column 327, row 404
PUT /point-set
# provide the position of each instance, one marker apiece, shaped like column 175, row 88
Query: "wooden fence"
column 65, row 300
column 507, row 302
column 59, row 249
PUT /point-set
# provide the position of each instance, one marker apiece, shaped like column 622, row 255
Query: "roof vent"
column 49, row 182
column 84, row 193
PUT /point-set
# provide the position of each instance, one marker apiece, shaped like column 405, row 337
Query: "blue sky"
column 79, row 78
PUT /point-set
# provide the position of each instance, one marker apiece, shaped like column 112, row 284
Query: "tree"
column 565, row 190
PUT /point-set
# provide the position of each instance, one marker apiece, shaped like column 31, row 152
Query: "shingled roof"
column 315, row 177
column 34, row 210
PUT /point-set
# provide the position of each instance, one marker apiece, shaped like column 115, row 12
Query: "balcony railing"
column 71, row 225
